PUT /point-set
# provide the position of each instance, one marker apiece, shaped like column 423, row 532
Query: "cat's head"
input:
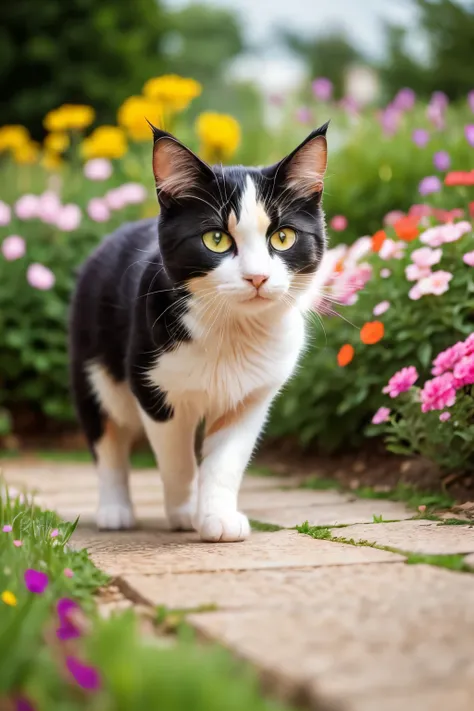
column 253, row 236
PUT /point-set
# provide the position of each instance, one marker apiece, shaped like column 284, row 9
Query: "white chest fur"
column 227, row 361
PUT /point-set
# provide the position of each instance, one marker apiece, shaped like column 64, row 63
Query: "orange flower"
column 339, row 266
column 377, row 240
column 372, row 332
column 406, row 228
column 345, row 355
column 459, row 177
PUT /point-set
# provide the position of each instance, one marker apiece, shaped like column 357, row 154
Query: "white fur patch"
column 116, row 399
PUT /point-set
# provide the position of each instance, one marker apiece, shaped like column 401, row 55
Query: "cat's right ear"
column 177, row 170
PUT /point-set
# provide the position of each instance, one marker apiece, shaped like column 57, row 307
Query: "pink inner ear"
column 307, row 167
column 174, row 168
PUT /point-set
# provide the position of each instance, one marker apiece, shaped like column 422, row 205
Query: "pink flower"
column 98, row 210
column 35, row 581
column 303, row 115
column 7, row 528
column 54, row 533
column 401, row 381
column 446, row 360
column 469, row 344
column 49, row 207
column 27, row 207
column 68, row 573
column 114, row 199
column 437, row 283
column 422, row 508
column 414, row 294
column 455, row 231
column 468, row 259
column 414, row 273
column 5, row 213
column 87, row 677
column 381, row 308
column 385, row 273
column 133, row 193
column 322, row 88
column 438, row 393
column 40, row 277
column 392, row 217
column 391, row 249
column 464, row 371
column 426, row 257
column 98, row 169
column 339, row 223
column 445, row 416
column 13, row 248
column 381, row 415
column 18, row 544
column 69, row 218
column 360, row 249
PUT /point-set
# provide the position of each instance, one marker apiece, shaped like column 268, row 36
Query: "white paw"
column 181, row 517
column 115, row 516
column 225, row 527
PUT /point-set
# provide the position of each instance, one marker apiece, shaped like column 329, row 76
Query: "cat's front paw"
column 225, row 528
column 181, row 517
column 115, row 516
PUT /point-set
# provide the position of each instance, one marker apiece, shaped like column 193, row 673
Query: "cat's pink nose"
column 257, row 279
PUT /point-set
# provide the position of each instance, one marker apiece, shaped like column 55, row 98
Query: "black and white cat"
column 200, row 319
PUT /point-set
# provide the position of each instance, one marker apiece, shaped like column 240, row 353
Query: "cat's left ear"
column 176, row 168
column 303, row 170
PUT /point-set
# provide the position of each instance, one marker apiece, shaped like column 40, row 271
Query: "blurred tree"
column 202, row 41
column 448, row 27
column 79, row 51
column 327, row 56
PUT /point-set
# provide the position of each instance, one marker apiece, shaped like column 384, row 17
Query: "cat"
column 198, row 318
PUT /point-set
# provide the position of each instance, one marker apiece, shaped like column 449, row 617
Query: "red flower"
column 378, row 239
column 406, row 228
column 459, row 177
column 471, row 209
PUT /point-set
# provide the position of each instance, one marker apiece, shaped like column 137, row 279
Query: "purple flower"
column 435, row 115
column 54, row 533
column 469, row 133
column 5, row 213
column 36, row 581
column 442, row 160
column 405, row 99
column 322, row 88
column 390, row 119
column 303, row 115
column 67, row 629
column 86, row 676
column 7, row 528
column 40, row 277
column 420, row 137
column 470, row 100
column 430, row 184
column 23, row 704
column 440, row 99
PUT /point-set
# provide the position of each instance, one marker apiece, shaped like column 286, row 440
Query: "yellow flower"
column 13, row 137
column 69, row 117
column 9, row 598
column 51, row 160
column 56, row 142
column 105, row 142
column 219, row 135
column 175, row 93
column 27, row 153
column 133, row 113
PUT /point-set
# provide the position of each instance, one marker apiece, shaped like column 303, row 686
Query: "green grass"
column 409, row 495
column 135, row 672
column 140, row 460
column 319, row 484
column 260, row 470
column 262, row 526
column 455, row 522
column 451, row 562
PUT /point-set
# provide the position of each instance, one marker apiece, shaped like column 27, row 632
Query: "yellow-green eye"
column 217, row 241
column 283, row 239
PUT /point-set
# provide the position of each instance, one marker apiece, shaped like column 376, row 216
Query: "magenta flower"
column 67, row 628
column 426, row 257
column 69, row 218
column 13, row 247
column 7, row 528
column 469, row 133
column 133, row 193
column 438, row 393
column 18, row 544
column 469, row 344
column 390, row 120
column 5, row 213
column 405, row 99
column 442, row 160
column 339, row 223
column 468, row 259
column 98, row 210
column 464, row 371
column 87, row 677
column 381, row 308
column 68, row 573
column 54, row 533
column 430, row 184
column 381, row 415
column 385, row 273
column 98, row 169
column 436, row 283
column 401, row 381
column 303, row 115
column 322, row 88
column 470, row 100
column 446, row 360
column 40, row 277
column 23, row 704
column 420, row 137
column 445, row 416
column 36, row 581
column 27, row 207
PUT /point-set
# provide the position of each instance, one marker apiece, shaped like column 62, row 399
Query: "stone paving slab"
column 417, row 536
column 387, row 629
column 450, row 697
column 159, row 552
column 358, row 511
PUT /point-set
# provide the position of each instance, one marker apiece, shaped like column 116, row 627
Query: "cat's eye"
column 217, row 241
column 283, row 239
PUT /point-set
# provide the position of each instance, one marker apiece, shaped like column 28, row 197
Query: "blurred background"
column 240, row 81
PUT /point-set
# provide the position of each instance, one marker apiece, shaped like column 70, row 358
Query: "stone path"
column 335, row 626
